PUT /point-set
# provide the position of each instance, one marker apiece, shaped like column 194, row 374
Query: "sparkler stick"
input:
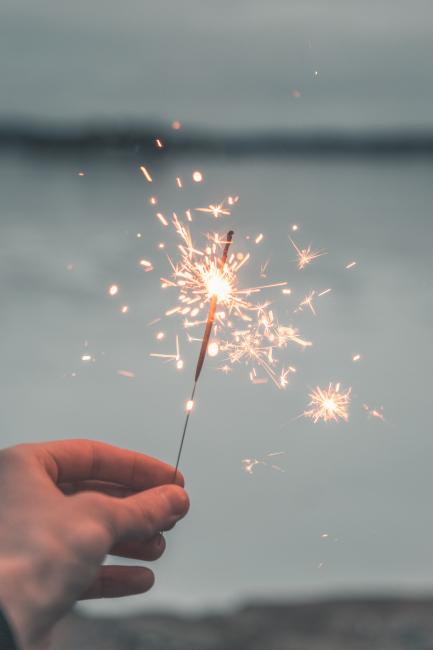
column 203, row 350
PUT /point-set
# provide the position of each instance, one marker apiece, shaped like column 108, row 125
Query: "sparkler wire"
column 203, row 350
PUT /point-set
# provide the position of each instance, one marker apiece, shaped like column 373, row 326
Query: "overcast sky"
column 231, row 63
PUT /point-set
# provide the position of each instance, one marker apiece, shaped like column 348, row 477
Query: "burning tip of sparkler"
column 213, row 349
column 189, row 405
column 328, row 404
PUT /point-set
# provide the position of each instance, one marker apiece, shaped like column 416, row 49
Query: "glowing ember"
column 124, row 309
column 113, row 290
column 146, row 174
column 189, row 405
column 328, row 404
column 197, row 176
column 351, row 265
column 148, row 266
column 356, row 357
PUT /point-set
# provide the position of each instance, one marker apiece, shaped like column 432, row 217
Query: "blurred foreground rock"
column 373, row 624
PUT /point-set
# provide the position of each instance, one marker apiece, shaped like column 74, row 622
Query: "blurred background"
column 317, row 115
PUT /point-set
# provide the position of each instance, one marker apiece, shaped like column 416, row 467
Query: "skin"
column 64, row 507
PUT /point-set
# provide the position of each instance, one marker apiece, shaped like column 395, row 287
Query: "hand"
column 63, row 507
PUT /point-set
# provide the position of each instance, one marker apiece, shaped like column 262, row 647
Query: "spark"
column 113, row 290
column 263, row 269
column 153, row 200
column 351, row 265
column 328, row 404
column 148, row 266
column 162, row 219
column 259, row 238
column 257, row 346
column 197, row 176
column 295, row 227
column 216, row 210
column 124, row 309
column 146, row 174
column 160, row 336
column 374, row 413
column 176, row 125
column 126, row 373
column 286, row 292
column 86, row 357
column 356, row 357
column 179, row 182
column 249, row 464
column 159, row 143
column 309, row 298
column 305, row 255
column 81, row 173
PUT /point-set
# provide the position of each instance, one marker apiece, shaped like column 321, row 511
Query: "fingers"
column 82, row 460
column 139, row 517
column 117, row 581
column 145, row 551
column 104, row 487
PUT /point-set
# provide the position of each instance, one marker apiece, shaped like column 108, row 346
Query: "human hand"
column 64, row 506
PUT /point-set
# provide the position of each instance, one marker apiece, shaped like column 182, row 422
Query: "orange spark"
column 146, row 174
column 328, row 404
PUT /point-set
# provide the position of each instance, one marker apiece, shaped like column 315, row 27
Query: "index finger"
column 81, row 460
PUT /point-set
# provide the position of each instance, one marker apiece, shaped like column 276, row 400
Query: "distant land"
column 91, row 139
column 340, row 624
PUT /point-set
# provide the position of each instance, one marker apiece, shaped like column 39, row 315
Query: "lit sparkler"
column 328, row 404
column 217, row 290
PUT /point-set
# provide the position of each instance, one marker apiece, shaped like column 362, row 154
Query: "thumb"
column 142, row 515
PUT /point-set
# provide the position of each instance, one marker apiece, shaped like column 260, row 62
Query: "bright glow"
column 113, row 290
column 189, row 405
column 197, row 176
column 328, row 404
column 213, row 349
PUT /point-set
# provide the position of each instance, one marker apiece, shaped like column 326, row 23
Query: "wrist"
column 18, row 607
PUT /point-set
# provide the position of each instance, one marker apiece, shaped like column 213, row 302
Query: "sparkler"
column 216, row 289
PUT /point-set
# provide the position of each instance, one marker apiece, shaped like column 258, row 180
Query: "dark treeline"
column 141, row 140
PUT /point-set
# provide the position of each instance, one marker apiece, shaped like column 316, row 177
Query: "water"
column 366, row 484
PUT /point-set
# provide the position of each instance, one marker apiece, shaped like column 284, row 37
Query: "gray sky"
column 366, row 484
column 222, row 64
